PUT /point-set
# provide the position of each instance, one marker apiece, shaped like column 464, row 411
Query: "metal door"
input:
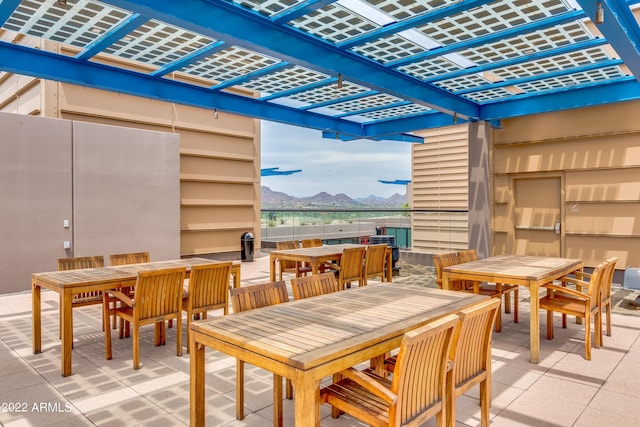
column 537, row 216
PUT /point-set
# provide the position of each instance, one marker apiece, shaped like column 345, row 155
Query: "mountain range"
column 276, row 199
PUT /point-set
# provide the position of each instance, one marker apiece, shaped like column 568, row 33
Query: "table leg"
column 389, row 265
column 445, row 281
column 307, row 410
column 236, row 277
column 272, row 268
column 534, row 322
column 277, row 400
column 196, row 382
column 314, row 268
column 36, row 325
column 67, row 332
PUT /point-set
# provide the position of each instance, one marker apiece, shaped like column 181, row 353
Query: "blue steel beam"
column 252, row 75
column 621, row 90
column 620, row 28
column 47, row 65
column 6, row 9
column 574, row 47
column 234, row 24
column 300, row 89
column 371, row 109
column 396, row 137
column 416, row 21
column 493, row 37
column 397, row 181
column 191, row 58
column 347, row 98
column 112, row 36
column 276, row 171
column 550, row 75
column 429, row 120
column 301, row 9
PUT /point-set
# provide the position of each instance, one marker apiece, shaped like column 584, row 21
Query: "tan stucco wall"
column 596, row 151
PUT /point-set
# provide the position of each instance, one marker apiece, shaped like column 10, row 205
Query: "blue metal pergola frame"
column 385, row 70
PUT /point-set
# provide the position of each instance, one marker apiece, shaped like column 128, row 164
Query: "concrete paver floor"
column 562, row 390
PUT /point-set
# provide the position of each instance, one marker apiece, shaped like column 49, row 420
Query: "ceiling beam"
column 48, row 65
column 620, row 28
column 234, row 24
column 558, row 100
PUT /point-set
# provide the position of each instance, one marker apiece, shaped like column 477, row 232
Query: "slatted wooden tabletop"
column 308, row 339
column 530, row 271
column 315, row 256
column 70, row 282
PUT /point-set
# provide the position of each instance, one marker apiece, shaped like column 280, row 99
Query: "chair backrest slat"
column 130, row 258
column 209, row 284
column 419, row 379
column 314, row 285
column 159, row 292
column 311, row 243
column 288, row 244
column 80, row 262
column 608, row 277
column 471, row 353
column 440, row 261
column 598, row 276
column 374, row 260
column 256, row 296
column 351, row 264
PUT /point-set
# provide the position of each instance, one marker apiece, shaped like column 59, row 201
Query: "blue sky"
column 353, row 167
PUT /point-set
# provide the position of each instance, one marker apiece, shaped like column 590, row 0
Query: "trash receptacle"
column 246, row 247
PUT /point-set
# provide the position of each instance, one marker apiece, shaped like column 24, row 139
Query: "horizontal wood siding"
column 440, row 182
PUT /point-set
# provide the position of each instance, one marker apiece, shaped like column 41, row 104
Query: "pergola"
column 377, row 69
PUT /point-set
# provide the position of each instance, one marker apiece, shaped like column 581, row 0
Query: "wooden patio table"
column 312, row 338
column 71, row 282
column 316, row 256
column 529, row 271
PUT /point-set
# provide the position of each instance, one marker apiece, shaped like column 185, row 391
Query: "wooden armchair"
column 249, row 298
column 471, row 355
column 83, row 298
column 158, row 298
column 497, row 290
column 124, row 259
column 291, row 266
column 208, row 289
column 374, row 262
column 351, row 267
column 583, row 301
column 131, row 258
column 417, row 390
column 605, row 294
column 314, row 285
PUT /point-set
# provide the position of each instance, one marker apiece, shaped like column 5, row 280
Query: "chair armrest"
column 569, row 291
column 122, row 297
column 370, row 384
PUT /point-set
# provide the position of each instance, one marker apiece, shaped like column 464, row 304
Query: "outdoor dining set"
column 422, row 346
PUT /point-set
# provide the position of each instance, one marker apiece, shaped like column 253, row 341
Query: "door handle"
column 556, row 228
column 536, row 227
